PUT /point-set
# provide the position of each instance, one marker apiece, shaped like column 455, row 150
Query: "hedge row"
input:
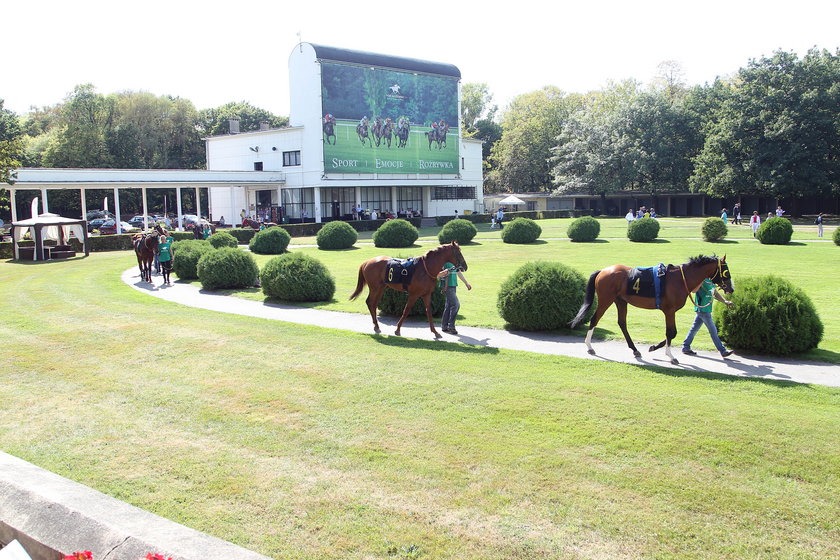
column 119, row 242
column 532, row 214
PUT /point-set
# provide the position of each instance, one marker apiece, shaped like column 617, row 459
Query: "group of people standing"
column 642, row 212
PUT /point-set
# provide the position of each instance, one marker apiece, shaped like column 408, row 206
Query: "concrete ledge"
column 49, row 514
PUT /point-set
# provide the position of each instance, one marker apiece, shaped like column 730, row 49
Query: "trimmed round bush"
column 643, row 229
column 270, row 241
column 585, row 228
column 337, row 235
column 770, row 316
column 714, row 229
column 227, row 268
column 521, row 231
column 395, row 233
column 836, row 236
column 541, row 296
column 775, row 231
column 393, row 303
column 222, row 239
column 458, row 230
column 242, row 235
column 297, row 277
column 185, row 257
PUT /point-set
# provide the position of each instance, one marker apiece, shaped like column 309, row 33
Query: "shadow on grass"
column 437, row 345
column 46, row 262
column 593, row 241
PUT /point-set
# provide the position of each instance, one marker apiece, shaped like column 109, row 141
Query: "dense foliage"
column 585, row 228
column 775, row 231
column 337, row 235
column 11, row 149
column 185, row 257
column 270, row 241
column 393, row 303
column 297, row 277
column 643, row 229
column 521, row 231
column 836, row 236
column 714, row 229
column 459, row 230
column 541, row 296
column 770, row 316
column 396, row 233
column 227, row 268
column 222, row 239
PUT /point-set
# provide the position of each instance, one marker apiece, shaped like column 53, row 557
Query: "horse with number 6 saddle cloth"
column 400, row 271
column 647, row 282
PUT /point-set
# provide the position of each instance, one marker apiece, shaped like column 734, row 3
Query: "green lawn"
column 302, row 442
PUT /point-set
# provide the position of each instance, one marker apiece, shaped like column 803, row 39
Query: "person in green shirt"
column 704, row 296
column 449, row 275
column 165, row 257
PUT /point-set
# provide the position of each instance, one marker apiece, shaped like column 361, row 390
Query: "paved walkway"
column 763, row 367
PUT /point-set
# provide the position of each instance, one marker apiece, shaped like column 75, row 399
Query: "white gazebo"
column 48, row 226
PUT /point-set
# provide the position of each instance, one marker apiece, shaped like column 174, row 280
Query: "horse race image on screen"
column 378, row 120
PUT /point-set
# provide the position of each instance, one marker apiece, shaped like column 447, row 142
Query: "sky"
column 213, row 52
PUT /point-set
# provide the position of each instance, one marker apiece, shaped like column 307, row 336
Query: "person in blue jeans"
column 449, row 275
column 704, row 296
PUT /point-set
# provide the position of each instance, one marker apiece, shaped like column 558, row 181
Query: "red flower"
column 86, row 555
column 156, row 556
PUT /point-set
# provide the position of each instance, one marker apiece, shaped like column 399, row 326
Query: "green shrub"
column 337, row 235
column 714, row 229
column 222, row 239
column 297, row 277
column 393, row 303
column 227, row 268
column 185, row 257
column 242, row 235
column 643, row 229
column 775, row 231
column 836, row 236
column 270, row 241
column 458, row 230
column 770, row 316
column 396, row 233
column 585, row 228
column 541, row 296
column 521, row 230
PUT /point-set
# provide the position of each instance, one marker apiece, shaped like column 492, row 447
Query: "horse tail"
column 588, row 300
column 360, row 285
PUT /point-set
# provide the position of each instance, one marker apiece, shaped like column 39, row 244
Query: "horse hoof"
column 637, row 354
column 397, row 332
column 675, row 361
column 376, row 330
column 438, row 335
column 591, row 352
column 652, row 348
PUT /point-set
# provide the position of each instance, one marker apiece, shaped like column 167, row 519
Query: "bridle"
column 721, row 273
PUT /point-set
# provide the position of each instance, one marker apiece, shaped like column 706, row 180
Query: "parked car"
column 110, row 227
column 96, row 223
column 137, row 221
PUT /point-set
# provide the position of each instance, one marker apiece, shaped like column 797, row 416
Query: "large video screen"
column 377, row 120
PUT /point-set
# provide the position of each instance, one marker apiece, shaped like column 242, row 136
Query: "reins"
column 685, row 284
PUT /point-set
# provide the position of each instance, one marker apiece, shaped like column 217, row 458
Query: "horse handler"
column 165, row 257
column 703, row 299
column 449, row 276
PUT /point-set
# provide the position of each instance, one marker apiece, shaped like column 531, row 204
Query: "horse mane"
column 701, row 260
column 440, row 249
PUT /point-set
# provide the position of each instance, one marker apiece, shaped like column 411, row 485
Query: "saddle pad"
column 400, row 271
column 640, row 282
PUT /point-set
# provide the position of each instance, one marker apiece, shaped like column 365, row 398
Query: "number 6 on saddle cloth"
column 400, row 271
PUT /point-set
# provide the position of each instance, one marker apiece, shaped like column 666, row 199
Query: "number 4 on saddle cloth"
column 647, row 282
column 400, row 271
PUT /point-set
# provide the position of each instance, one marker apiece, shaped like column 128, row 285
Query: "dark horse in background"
column 402, row 135
column 145, row 247
column 329, row 130
column 254, row 224
column 438, row 135
column 611, row 286
column 373, row 273
column 362, row 131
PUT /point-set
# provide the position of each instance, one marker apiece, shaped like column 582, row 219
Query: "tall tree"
column 214, row 122
column 776, row 131
column 11, row 151
column 476, row 105
column 81, row 137
column 530, row 126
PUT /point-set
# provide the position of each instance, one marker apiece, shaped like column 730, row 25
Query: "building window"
column 337, row 203
column 453, row 193
column 291, row 158
column 258, row 166
column 376, row 198
column 409, row 201
column 299, row 205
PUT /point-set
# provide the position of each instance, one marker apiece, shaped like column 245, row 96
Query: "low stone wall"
column 51, row 515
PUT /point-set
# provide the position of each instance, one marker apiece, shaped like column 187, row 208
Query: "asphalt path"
column 761, row 367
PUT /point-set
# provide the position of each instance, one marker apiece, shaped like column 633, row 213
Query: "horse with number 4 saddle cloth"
column 647, row 281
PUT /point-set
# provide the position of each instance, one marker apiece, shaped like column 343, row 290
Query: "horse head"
column 456, row 256
column 722, row 277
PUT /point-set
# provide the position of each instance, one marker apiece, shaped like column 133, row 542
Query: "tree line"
column 772, row 129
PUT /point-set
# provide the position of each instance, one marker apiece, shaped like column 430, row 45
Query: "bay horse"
column 402, row 135
column 611, row 286
column 329, row 130
column 362, row 131
column 373, row 273
column 145, row 247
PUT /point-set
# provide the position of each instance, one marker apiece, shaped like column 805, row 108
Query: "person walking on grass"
column 449, row 277
column 819, row 222
column 755, row 221
column 704, row 296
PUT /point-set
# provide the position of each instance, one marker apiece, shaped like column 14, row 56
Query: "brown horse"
column 611, row 286
column 329, row 130
column 145, row 247
column 362, row 131
column 373, row 273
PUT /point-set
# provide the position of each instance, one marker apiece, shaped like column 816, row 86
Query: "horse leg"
column 408, row 305
column 427, row 299
column 603, row 305
column 657, row 346
column 670, row 333
column 373, row 302
column 621, row 306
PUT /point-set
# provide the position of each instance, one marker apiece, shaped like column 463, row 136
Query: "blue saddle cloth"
column 400, row 271
column 647, row 282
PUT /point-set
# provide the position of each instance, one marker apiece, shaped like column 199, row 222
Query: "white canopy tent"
column 511, row 200
column 48, row 226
